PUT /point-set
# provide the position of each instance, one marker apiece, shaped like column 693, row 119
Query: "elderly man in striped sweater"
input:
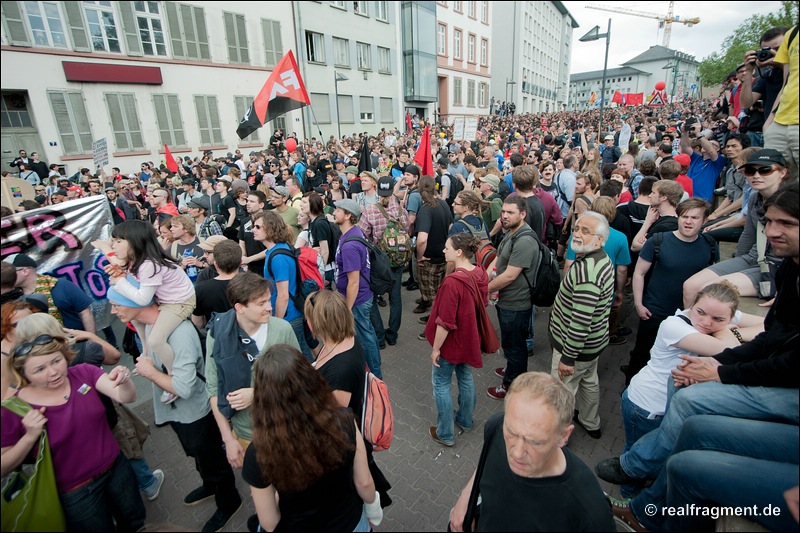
column 579, row 318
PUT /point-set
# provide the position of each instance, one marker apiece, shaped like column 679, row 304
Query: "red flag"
column 408, row 121
column 423, row 156
column 172, row 166
column 617, row 98
column 283, row 92
column 634, row 98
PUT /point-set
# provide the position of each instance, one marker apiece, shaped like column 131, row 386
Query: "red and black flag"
column 283, row 92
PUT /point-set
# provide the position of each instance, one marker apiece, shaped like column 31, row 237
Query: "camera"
column 765, row 54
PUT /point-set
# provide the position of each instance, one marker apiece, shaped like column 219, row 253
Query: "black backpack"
column 381, row 277
column 455, row 186
column 547, row 275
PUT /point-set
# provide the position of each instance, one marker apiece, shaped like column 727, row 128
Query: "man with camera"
column 766, row 85
column 706, row 164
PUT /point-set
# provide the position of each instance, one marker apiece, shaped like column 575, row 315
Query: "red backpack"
column 377, row 417
column 309, row 278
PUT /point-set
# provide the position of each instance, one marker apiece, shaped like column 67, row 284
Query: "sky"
column 632, row 35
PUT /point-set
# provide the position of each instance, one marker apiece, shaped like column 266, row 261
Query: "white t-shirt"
column 260, row 336
column 648, row 388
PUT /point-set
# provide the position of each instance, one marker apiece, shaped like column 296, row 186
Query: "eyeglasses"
column 761, row 171
column 25, row 348
column 584, row 230
column 256, row 226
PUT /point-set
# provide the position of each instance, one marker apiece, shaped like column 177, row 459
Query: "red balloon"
column 291, row 144
column 660, row 86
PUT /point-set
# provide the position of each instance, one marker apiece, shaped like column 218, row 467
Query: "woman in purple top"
column 96, row 485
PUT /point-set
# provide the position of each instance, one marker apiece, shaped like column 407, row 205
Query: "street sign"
column 694, row 86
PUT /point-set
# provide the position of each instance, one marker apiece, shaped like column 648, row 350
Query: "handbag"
column 130, row 431
column 489, row 341
column 30, row 501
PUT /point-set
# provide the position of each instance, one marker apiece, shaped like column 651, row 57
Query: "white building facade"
column 531, row 55
column 463, row 46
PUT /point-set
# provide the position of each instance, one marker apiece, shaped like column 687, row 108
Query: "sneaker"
column 611, row 470
column 167, row 397
column 418, row 300
column 412, row 286
column 421, row 308
column 500, row 372
column 594, row 433
column 436, row 438
column 423, row 319
column 406, row 283
column 462, row 429
column 624, row 331
column 153, row 493
column 616, row 340
column 422, row 336
column 381, row 301
column 197, row 495
column 498, row 393
column 530, row 352
column 623, row 515
column 220, row 519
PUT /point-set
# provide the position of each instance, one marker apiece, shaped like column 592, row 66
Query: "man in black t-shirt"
column 253, row 251
column 432, row 225
column 529, row 480
column 226, row 256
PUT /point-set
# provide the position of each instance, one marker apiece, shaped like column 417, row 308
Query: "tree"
column 716, row 67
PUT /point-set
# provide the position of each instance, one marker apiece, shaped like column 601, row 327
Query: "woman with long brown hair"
column 307, row 448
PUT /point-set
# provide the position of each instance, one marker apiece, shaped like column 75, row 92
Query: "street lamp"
column 593, row 35
column 337, row 77
column 508, row 82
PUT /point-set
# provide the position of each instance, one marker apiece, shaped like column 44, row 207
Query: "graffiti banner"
column 58, row 238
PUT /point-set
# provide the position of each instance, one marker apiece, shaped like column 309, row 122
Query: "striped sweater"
column 579, row 317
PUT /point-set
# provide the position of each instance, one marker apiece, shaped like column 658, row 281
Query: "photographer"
column 707, row 163
column 767, row 84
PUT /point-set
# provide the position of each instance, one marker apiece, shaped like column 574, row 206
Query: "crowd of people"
column 246, row 286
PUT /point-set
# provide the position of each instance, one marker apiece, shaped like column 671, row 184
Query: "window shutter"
column 346, row 109
column 387, row 111
column 202, row 120
column 80, row 41
column 176, row 123
column 117, row 122
column 321, row 103
column 367, row 104
column 81, row 118
column 132, row 121
column 174, row 25
column 213, row 115
column 230, row 36
column 58, row 102
column 202, row 34
column 15, row 24
column 130, row 29
column 162, row 119
column 190, row 37
column 241, row 32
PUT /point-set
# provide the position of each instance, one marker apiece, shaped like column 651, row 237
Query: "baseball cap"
column 491, row 179
column 283, row 191
column 118, row 299
column 74, row 188
column 339, row 160
column 443, row 162
column 608, row 137
column 767, row 155
column 351, row 153
column 385, row 186
column 413, row 170
column 110, row 189
column 200, row 202
column 210, row 243
column 683, row 159
column 351, row 170
column 39, row 301
column 21, row 260
column 59, row 192
column 351, row 206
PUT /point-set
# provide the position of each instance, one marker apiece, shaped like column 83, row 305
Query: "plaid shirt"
column 373, row 223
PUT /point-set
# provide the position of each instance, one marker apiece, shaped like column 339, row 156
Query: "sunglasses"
column 761, row 171
column 25, row 348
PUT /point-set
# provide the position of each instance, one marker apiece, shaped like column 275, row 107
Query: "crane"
column 667, row 19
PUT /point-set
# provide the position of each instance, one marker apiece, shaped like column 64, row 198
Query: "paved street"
column 427, row 477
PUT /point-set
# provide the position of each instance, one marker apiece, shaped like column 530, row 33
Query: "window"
column 339, row 4
column 45, row 22
column 315, row 48
column 387, row 111
column 241, row 104
column 457, row 44
column 280, row 123
column 72, row 121
column 102, row 28
column 482, row 95
column 381, row 11
column 321, row 103
column 471, row 93
column 151, row 28
column 441, row 39
column 458, row 6
column 485, row 12
column 471, row 48
column 363, row 56
column 471, row 9
column 208, row 120
column 168, row 118
column 273, row 44
column 187, row 31
column 346, row 109
column 384, row 60
column 341, row 52
column 361, row 8
column 367, row 108
column 457, row 92
column 124, row 121
column 14, row 111
column 236, row 35
column 484, row 52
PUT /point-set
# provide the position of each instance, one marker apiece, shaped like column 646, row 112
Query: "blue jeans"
column 377, row 322
column 112, row 497
column 715, row 459
column 441, row 378
column 144, row 474
column 638, row 422
column 299, row 332
column 513, row 337
column 366, row 336
column 395, row 311
column 529, row 341
column 645, row 459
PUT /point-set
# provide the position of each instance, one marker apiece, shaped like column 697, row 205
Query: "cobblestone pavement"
column 426, row 476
